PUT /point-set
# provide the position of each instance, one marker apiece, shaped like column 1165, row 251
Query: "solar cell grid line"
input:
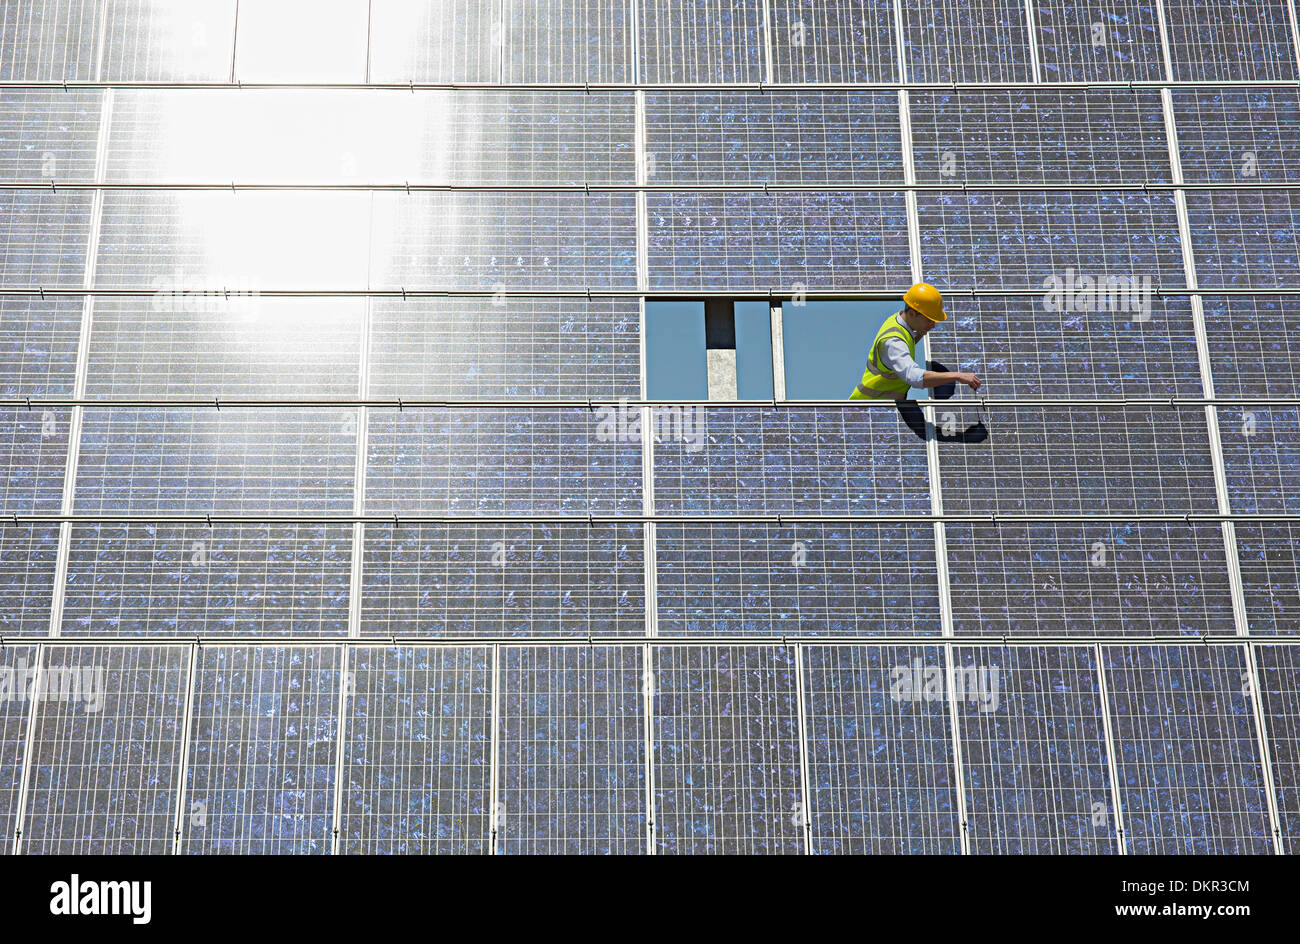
column 1188, row 756
column 1024, row 136
column 726, row 751
column 15, row 724
column 187, row 721
column 1213, row 40
column 1108, row 728
column 261, row 760
column 1112, row 578
column 106, row 750
column 1034, row 752
column 572, row 755
column 880, row 749
column 1230, row 135
column 418, row 762
column 1279, row 677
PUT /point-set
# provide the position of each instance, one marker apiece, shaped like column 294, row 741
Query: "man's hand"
column 968, row 379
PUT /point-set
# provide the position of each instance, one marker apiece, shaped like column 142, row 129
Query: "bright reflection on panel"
column 302, row 41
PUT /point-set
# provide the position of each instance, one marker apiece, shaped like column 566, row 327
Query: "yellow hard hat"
column 926, row 299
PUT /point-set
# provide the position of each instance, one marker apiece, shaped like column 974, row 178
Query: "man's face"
column 919, row 324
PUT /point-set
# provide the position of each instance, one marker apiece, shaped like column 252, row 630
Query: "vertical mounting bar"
column 899, row 44
column 494, row 775
column 29, row 745
column 805, row 801
column 77, row 413
column 1164, row 41
column 345, row 692
column 182, row 787
column 769, row 70
column 1295, row 32
column 1228, row 530
column 234, row 44
column 1031, row 29
column 1112, row 761
column 778, row 352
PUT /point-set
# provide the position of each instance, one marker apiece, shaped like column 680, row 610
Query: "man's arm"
column 894, row 353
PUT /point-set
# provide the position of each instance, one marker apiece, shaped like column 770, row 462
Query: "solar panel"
column 805, row 461
column 1245, row 238
column 43, row 236
column 1079, row 460
column 1188, row 761
column 107, row 750
column 723, row 579
column 201, row 348
column 34, row 456
column 452, row 41
column 1238, row 135
column 701, row 41
column 1119, row 42
column 1128, row 343
column 1034, row 751
column 491, row 460
column 1028, row 136
column 568, row 41
column 153, row 40
column 27, row 565
column 1227, row 40
column 49, row 40
column 880, row 751
column 262, row 743
column 1261, row 458
column 1138, row 579
column 1254, row 343
column 806, row 137
column 505, row 347
column 46, row 134
column 149, row 460
column 726, row 750
column 195, row 246
column 485, row 580
column 192, row 580
column 1041, row 239
column 302, row 40
column 945, row 43
column 838, row 41
column 466, row 137
column 1279, row 669
column 38, row 345
column 489, row 241
column 744, row 241
column 416, row 751
column 572, row 750
column 1270, row 575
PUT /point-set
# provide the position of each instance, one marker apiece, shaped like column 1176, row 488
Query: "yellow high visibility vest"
column 877, row 379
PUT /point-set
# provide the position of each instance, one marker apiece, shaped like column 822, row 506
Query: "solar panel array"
column 333, row 520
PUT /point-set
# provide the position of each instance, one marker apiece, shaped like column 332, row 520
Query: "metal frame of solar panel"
column 336, row 519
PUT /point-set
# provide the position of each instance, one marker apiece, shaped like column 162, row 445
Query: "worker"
column 891, row 363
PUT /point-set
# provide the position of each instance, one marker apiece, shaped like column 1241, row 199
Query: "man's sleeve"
column 894, row 353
